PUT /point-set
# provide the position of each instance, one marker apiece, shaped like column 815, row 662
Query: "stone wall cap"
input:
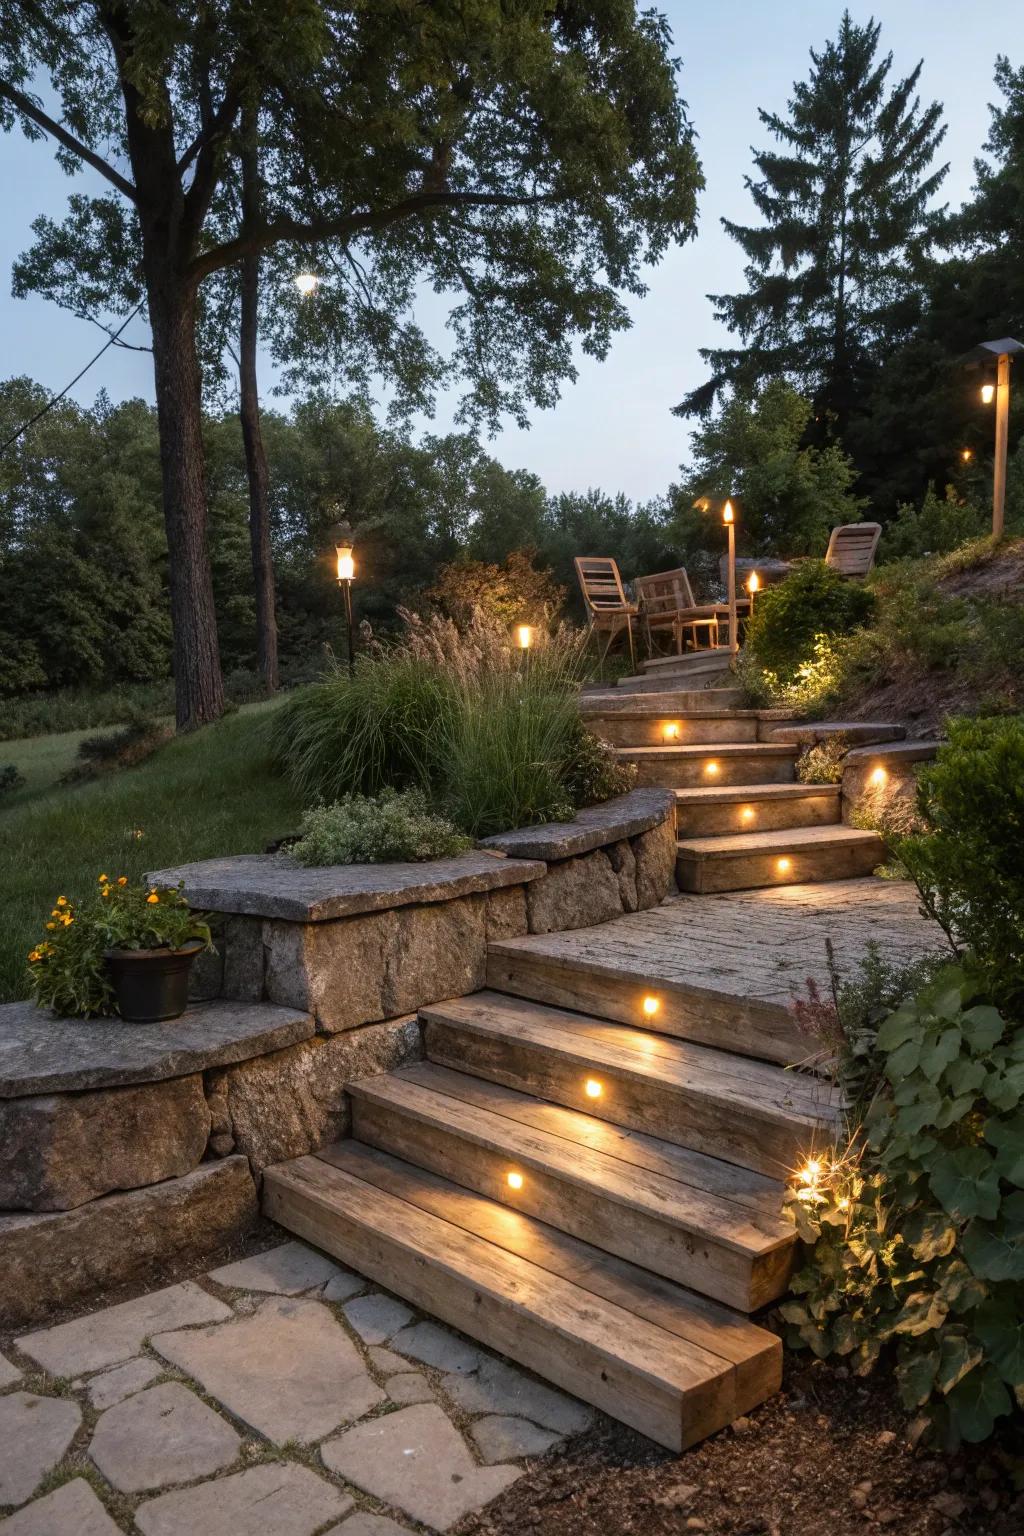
column 896, row 751
column 40, row 1053
column 274, row 885
column 598, row 825
column 810, row 731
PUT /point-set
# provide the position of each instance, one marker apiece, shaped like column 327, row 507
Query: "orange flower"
column 122, row 879
column 51, row 927
column 103, row 879
column 152, row 899
column 62, row 901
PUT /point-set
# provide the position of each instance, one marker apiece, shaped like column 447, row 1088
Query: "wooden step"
column 613, row 989
column 709, row 658
column 644, row 727
column 716, row 680
column 731, row 1107
column 755, row 762
column 576, row 1173
column 672, row 1365
column 737, row 808
column 744, row 861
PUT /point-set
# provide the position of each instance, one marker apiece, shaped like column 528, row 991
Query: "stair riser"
column 690, row 1118
column 672, row 773
column 662, row 1246
column 497, row 1320
column 687, row 665
column 668, row 700
column 752, row 871
column 745, row 1025
column 650, row 731
column 714, row 683
column 769, row 816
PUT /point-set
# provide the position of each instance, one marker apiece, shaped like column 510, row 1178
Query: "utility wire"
column 51, row 403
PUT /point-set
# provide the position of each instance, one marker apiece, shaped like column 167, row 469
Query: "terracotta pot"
column 151, row 985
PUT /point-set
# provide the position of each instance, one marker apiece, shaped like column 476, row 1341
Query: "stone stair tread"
column 712, row 749
column 563, row 1142
column 789, row 840
column 673, row 1365
column 733, row 794
column 677, row 701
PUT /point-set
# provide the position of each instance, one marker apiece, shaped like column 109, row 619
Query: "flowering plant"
column 67, row 968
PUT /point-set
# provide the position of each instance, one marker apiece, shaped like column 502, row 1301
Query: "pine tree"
column 845, row 203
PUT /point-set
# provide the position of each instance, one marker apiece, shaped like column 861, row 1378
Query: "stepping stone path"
column 407, row 1418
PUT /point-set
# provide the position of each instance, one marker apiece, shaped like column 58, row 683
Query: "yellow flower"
column 105, row 891
column 67, row 920
column 62, row 901
column 34, row 956
column 122, row 879
column 51, row 927
column 152, row 899
column 103, row 879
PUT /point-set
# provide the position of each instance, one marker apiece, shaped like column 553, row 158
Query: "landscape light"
column 345, row 559
column 651, row 1006
column 784, row 866
column 967, row 454
column 515, row 1181
column 524, row 636
column 592, row 1088
column 711, row 768
column 988, row 394
column 670, row 731
column 879, row 776
column 728, row 515
column 748, row 813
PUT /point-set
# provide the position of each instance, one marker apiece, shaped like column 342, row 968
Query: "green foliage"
column 939, row 525
column 514, row 592
column 124, row 748
column 967, row 863
column 10, row 779
column 359, row 829
column 822, row 762
column 814, row 601
column 591, row 772
column 917, row 1230
column 67, row 968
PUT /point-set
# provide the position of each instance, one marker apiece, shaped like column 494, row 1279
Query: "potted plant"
column 128, row 951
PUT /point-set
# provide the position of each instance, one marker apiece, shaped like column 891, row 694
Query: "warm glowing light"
column 988, row 394
column 592, row 1088
column 966, row 454
column 728, row 515
column 879, row 776
column 515, row 1180
column 811, row 1172
column 524, row 636
column 651, row 1006
column 748, row 813
column 784, row 866
column 306, row 283
column 346, row 563
column 711, row 768
column 670, row 731
column 753, row 583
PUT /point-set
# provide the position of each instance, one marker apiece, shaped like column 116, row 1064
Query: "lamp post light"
column 753, row 586
column 999, row 352
column 346, row 576
column 729, row 519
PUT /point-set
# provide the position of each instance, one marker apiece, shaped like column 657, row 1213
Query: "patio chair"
column 609, row 610
column 851, row 549
column 667, row 605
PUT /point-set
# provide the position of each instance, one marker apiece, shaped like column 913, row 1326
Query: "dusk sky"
column 613, row 428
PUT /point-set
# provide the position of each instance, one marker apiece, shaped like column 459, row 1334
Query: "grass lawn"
column 212, row 792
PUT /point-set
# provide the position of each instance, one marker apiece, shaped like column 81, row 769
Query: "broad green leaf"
column 977, row 1401
column 903, row 1061
column 1000, row 1328
column 1007, row 1136
column 992, row 1253
column 905, row 1024
column 959, row 1288
column 965, row 1183
column 937, row 1054
column 964, row 1076
column 957, row 1356
column 930, row 1235
column 948, row 1003
column 923, row 1313
column 922, row 1112
column 915, row 1377
column 982, row 1026
column 953, row 1111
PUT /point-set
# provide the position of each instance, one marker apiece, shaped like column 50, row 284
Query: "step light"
column 711, row 768
column 592, row 1088
column 748, row 813
column 784, row 866
column 670, row 731
column 651, row 1005
column 514, row 1180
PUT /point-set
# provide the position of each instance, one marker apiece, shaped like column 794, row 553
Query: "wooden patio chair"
column 609, row 610
column 851, row 549
column 667, row 605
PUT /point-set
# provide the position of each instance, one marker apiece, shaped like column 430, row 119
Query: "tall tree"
column 846, row 216
column 528, row 157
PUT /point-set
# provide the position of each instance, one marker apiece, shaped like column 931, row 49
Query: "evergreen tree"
column 845, row 203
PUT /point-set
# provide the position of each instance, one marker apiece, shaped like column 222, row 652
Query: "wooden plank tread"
column 789, row 840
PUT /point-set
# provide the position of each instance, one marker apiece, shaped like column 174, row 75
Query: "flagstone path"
column 281, row 1395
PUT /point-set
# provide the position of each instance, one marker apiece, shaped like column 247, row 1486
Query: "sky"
column 613, row 428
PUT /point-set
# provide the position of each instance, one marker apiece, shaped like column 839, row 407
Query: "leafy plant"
column 822, row 762
column 591, row 772
column 132, row 744
column 917, row 1226
column 10, row 779
column 67, row 969
column 789, row 618
column 361, row 829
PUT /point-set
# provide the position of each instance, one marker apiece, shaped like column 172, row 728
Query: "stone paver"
column 288, row 1271
column 417, row 1461
column 365, row 1524
column 501, row 1389
column 344, row 1285
column 114, row 1386
column 290, row 1370
column 434, row 1345
column 410, row 1388
column 71, row 1510
column 161, row 1436
column 115, row 1334
column 387, row 1362
column 501, row 1438
column 34, row 1434
column 9, row 1373
column 276, row 1500
column 375, row 1317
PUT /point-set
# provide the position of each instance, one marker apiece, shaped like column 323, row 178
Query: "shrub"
column 938, row 526
column 591, row 771
column 10, row 779
column 361, row 829
column 787, row 619
column 126, row 748
column 822, row 762
column 514, row 592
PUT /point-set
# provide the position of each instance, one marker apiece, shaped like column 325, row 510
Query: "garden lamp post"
column 729, row 519
column 346, row 575
column 524, row 640
column 1000, row 353
column 753, row 586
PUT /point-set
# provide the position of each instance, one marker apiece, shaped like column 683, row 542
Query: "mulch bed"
column 825, row 1457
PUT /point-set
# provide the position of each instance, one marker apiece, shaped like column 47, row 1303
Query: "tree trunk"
column 252, row 436
column 198, row 685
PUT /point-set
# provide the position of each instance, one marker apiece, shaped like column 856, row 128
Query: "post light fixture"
column 651, row 1005
column 592, row 1088
column 524, row 636
column 346, row 574
column 988, row 394
column 729, row 519
column 306, row 283
column 514, row 1180
column 1001, row 353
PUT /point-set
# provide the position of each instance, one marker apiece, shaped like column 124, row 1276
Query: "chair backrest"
column 851, row 549
column 665, row 593
column 600, row 584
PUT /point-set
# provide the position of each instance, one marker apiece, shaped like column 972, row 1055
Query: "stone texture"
column 274, row 885
column 901, row 762
column 34, row 1434
column 71, row 1510
column 655, row 855
column 359, row 970
column 43, row 1054
column 435, row 1346
column 9, row 1373
column 576, row 893
column 365, row 1524
column 290, row 1370
column 276, row 1500
column 595, row 827
column 59, row 1150
column 506, row 913
column 807, row 732
column 56, row 1260
column 387, row 1362
column 410, row 1387
column 287, row 1270
column 164, row 1435
column 105, row 1338
column 501, row 1438
column 291, row 1102
column 376, row 1317
column 416, row 1461
column 498, row 1388
column 123, row 1381
column 345, row 1284
column 243, row 959
column 623, row 861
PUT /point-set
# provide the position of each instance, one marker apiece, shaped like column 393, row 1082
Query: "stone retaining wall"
column 875, row 776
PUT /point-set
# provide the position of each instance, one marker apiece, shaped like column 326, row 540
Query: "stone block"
column 291, row 1102
column 575, row 893
column 279, row 1499
column 623, row 861
column 655, row 854
column 55, row 1260
column 594, row 827
column 70, row 1510
column 59, row 1150
column 34, row 1434
column 243, row 959
column 506, row 914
